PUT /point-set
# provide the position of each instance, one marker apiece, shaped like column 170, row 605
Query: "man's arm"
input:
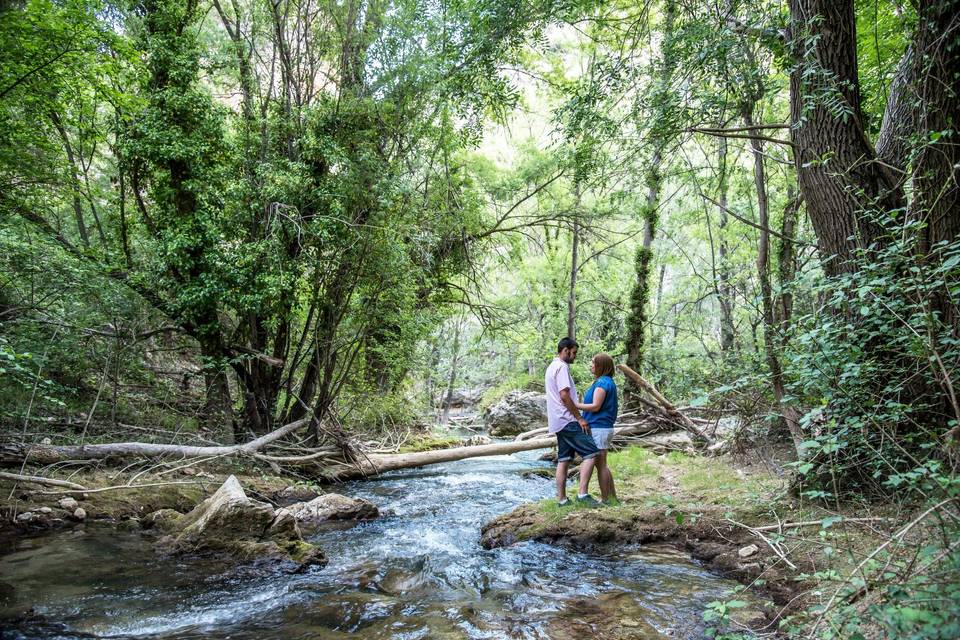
column 572, row 408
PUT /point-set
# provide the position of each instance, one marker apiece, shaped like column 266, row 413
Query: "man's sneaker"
column 588, row 501
column 566, row 502
column 611, row 502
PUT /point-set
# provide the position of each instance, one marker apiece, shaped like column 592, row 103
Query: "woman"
column 599, row 409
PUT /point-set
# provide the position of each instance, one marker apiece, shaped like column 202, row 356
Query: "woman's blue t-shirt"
column 607, row 414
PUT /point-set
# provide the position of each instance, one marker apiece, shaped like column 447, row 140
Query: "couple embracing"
column 584, row 427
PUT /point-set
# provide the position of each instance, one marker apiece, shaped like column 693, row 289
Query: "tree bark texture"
column 842, row 183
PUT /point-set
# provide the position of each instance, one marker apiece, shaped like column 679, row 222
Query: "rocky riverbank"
column 199, row 512
column 718, row 510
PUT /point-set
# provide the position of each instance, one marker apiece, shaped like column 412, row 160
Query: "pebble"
column 747, row 551
column 68, row 503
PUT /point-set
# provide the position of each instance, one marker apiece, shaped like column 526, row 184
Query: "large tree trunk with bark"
column 936, row 171
column 843, row 185
column 846, row 184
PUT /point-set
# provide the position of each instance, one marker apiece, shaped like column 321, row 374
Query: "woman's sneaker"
column 588, row 501
column 566, row 502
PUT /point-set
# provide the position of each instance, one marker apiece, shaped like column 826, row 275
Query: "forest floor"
column 735, row 514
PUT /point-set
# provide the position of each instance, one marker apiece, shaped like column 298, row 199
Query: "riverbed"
column 418, row 572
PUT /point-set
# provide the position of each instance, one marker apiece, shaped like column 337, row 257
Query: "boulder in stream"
column 461, row 398
column 516, row 412
column 293, row 494
column 231, row 524
column 328, row 507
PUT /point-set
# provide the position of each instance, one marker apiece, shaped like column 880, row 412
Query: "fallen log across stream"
column 661, row 425
column 375, row 464
column 327, row 463
column 15, row 453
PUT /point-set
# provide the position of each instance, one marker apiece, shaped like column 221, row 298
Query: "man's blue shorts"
column 572, row 439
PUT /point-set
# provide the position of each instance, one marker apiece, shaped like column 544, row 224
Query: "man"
column 564, row 420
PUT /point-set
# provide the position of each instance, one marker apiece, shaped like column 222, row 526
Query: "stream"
column 418, row 572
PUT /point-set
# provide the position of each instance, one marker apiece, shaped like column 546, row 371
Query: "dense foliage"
column 222, row 217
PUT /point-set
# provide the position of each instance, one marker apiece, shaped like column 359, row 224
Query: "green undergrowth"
column 842, row 559
column 678, row 486
column 688, row 479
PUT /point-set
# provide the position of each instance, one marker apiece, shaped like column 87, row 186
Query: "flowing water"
column 418, row 572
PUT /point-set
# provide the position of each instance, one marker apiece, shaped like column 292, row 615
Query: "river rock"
column 331, row 506
column 475, row 441
column 516, row 412
column 79, row 514
column 293, row 494
column 26, row 517
column 747, row 551
column 461, row 398
column 68, row 503
column 231, row 524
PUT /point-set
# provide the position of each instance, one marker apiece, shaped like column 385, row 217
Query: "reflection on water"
column 418, row 573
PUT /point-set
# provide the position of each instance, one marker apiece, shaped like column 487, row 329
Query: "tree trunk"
column 725, row 290
column 936, row 179
column 452, row 380
column 74, row 179
column 217, row 412
column 376, row 464
column 49, row 454
column 574, row 268
column 432, row 362
column 770, row 340
column 637, row 319
column 787, row 261
column 842, row 184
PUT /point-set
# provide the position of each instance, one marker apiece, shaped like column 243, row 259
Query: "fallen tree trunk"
column 526, row 435
column 50, row 482
column 381, row 463
column 665, row 405
column 48, row 454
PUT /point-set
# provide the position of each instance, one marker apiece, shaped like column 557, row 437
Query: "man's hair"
column 567, row 343
column 603, row 365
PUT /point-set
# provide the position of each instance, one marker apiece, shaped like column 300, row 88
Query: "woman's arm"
column 598, row 395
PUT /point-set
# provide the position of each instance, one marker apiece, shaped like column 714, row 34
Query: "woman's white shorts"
column 602, row 437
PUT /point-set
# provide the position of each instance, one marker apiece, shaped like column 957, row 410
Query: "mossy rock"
column 231, row 524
